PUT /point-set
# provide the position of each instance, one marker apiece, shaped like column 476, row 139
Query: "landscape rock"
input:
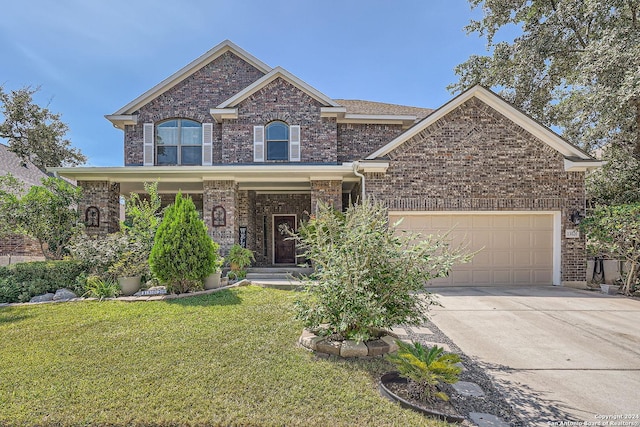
column 329, row 347
column 64, row 294
column 42, row 298
column 391, row 342
column 352, row 348
column 377, row 347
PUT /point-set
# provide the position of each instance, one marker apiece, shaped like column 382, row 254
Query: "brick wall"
column 356, row 141
column 329, row 191
column 280, row 100
column 106, row 197
column 18, row 248
column 475, row 159
column 192, row 98
column 225, row 194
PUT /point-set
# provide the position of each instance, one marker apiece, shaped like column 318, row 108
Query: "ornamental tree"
column 35, row 133
column 369, row 275
column 183, row 254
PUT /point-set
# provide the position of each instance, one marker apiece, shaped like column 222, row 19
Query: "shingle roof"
column 25, row 172
column 357, row 106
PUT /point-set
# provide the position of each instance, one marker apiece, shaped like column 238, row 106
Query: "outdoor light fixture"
column 575, row 217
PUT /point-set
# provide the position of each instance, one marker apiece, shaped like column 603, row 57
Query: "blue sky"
column 93, row 57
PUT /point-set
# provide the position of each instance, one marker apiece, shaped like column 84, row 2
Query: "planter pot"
column 129, row 285
column 213, row 280
column 385, row 391
column 609, row 289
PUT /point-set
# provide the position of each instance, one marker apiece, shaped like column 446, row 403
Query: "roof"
column 25, row 172
column 357, row 106
column 573, row 154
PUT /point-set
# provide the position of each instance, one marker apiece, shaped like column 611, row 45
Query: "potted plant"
column 238, row 259
column 213, row 280
column 421, row 373
column 128, row 270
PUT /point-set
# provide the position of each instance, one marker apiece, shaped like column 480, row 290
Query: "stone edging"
column 348, row 348
column 137, row 298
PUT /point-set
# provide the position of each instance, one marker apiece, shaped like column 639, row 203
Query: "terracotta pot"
column 394, row 377
column 212, row 281
column 129, row 285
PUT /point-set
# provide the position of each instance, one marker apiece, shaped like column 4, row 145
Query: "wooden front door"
column 284, row 249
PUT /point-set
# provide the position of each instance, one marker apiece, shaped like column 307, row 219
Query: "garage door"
column 513, row 249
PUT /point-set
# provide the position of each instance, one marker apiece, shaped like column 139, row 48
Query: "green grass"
column 228, row 358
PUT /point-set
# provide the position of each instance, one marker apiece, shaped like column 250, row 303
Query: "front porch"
column 241, row 204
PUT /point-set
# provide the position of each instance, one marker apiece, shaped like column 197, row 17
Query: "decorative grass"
column 228, row 358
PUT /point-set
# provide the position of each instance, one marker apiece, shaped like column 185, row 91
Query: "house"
column 19, row 248
column 256, row 148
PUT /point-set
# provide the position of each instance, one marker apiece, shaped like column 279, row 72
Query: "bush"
column 367, row 273
column 425, row 368
column 183, row 254
column 96, row 287
column 25, row 280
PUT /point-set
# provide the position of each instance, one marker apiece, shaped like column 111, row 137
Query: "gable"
column 123, row 115
column 573, row 154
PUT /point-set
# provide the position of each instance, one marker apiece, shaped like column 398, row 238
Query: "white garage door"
column 513, row 249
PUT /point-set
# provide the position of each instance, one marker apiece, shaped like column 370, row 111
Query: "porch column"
column 219, row 205
column 99, row 208
column 329, row 191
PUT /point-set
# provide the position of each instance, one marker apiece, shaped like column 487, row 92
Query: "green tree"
column 367, row 273
column 615, row 231
column 47, row 213
column 10, row 188
column 35, row 133
column 573, row 64
column 183, row 254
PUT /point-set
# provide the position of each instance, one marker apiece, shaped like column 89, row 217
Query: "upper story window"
column 179, row 142
column 277, row 140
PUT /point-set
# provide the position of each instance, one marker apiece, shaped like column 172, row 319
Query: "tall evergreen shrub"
column 183, row 254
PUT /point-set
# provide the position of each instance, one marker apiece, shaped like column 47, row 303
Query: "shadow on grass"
column 8, row 315
column 224, row 297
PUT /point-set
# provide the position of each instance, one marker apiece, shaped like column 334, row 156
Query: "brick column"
column 329, row 191
column 224, row 194
column 105, row 196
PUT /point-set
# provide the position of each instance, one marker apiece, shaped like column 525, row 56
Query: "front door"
column 284, row 249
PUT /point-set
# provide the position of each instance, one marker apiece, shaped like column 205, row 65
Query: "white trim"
column 273, row 238
column 121, row 120
column 581, row 166
column 271, row 76
column 332, row 111
column 494, row 101
column 557, row 248
column 556, row 274
column 220, row 114
column 190, row 69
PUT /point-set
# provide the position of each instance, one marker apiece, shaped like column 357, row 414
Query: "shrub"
column 28, row 279
column 368, row 275
column 425, row 368
column 238, row 259
column 183, row 254
column 97, row 287
column 615, row 231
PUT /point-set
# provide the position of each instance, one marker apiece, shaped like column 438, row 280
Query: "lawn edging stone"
column 347, row 348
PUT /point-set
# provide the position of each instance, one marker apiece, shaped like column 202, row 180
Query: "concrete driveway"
column 558, row 354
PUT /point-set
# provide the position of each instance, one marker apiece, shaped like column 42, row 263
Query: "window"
column 277, row 141
column 179, row 142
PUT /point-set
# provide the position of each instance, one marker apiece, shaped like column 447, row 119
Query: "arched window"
column 179, row 142
column 277, row 139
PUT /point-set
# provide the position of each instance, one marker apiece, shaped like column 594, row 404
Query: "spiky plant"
column 426, row 368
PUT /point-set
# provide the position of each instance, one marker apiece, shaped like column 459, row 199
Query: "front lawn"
column 227, row 358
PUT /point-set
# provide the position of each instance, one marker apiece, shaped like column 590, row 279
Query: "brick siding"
column 475, row 159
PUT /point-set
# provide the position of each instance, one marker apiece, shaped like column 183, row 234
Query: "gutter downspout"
column 361, row 176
